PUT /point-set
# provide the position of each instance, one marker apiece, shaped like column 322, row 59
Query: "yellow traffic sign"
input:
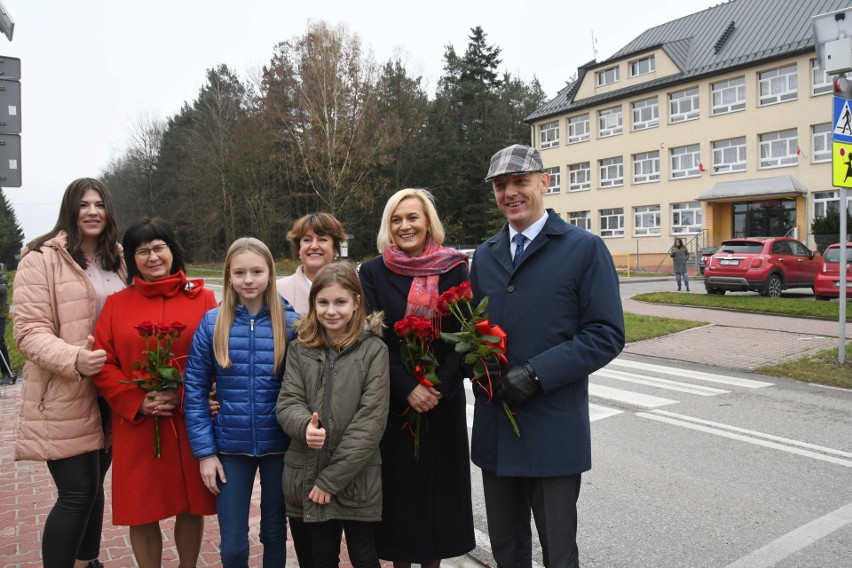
column 841, row 164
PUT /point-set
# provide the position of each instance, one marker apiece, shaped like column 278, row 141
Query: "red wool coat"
column 146, row 489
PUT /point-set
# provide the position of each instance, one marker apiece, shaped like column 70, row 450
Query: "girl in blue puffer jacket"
column 241, row 345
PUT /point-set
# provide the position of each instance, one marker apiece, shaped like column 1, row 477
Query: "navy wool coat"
column 561, row 309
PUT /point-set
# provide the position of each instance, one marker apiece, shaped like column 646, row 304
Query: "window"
column 643, row 66
column 612, row 171
column 825, row 200
column 728, row 96
column 683, row 105
column 609, row 121
column 549, row 134
column 821, row 82
column 578, row 128
column 646, row 220
column 821, row 142
column 729, row 155
column 685, row 161
column 686, row 217
column 580, row 219
column 555, row 180
column 646, row 114
column 579, row 176
column 607, row 76
column 778, row 85
column 646, row 167
column 779, row 149
column 612, row 222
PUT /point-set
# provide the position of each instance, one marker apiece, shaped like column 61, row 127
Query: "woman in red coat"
column 146, row 488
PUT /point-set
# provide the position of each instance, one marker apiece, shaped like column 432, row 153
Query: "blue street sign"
column 842, row 131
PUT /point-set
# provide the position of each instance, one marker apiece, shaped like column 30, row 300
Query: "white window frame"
column 646, row 167
column 684, row 105
column 612, row 222
column 643, row 66
column 777, row 85
column 646, row 113
column 611, row 171
column 610, row 121
column 607, row 76
column 682, row 214
column 684, row 161
column 821, row 138
column 825, row 200
column 779, row 149
column 729, row 155
column 549, row 135
column 579, row 129
column 580, row 219
column 579, row 176
column 728, row 96
column 646, row 221
column 555, row 180
column 821, row 82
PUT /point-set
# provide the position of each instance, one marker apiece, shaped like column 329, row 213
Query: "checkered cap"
column 515, row 160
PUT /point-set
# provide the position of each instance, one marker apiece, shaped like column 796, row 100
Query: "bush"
column 826, row 230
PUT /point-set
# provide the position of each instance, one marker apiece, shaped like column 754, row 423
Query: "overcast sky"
column 90, row 68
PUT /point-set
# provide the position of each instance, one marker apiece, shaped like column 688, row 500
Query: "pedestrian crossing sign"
column 841, row 164
column 842, row 131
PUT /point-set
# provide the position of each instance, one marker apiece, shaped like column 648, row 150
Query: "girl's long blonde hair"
column 311, row 332
column 230, row 301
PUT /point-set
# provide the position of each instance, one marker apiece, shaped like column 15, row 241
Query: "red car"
column 766, row 265
column 827, row 283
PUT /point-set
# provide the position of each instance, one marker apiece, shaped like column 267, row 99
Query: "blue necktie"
column 519, row 240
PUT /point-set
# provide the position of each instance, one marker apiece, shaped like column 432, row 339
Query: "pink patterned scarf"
column 423, row 294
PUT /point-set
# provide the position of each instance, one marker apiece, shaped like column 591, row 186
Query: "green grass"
column 823, row 368
column 638, row 327
column 781, row 306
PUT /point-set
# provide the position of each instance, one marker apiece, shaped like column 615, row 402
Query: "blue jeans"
column 232, row 506
column 678, row 276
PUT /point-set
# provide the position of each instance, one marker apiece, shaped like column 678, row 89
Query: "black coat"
column 427, row 511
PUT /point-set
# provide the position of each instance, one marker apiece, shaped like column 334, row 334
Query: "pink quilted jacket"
column 54, row 312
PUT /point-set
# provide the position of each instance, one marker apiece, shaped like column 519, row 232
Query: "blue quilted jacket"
column 247, row 391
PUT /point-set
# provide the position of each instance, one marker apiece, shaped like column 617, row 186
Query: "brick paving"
column 731, row 339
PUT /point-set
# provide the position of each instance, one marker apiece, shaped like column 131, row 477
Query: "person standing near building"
column 553, row 289
column 680, row 254
column 9, row 377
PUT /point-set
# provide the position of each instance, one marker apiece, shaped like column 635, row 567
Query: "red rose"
column 448, row 297
column 402, row 327
column 145, row 328
column 162, row 329
column 465, row 292
column 177, row 328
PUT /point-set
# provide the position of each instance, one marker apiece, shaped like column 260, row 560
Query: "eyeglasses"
column 146, row 252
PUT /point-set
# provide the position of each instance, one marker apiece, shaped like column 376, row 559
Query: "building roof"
column 731, row 190
column 737, row 33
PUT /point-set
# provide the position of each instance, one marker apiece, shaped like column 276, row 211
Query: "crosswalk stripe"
column 628, row 397
column 659, row 383
column 598, row 412
column 698, row 375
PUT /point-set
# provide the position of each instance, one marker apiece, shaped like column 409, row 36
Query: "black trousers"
column 5, row 364
column 553, row 502
column 73, row 527
column 324, row 542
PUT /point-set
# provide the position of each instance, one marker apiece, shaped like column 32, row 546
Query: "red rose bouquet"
column 478, row 339
column 158, row 369
column 417, row 334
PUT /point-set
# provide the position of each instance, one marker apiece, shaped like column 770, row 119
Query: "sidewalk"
column 736, row 340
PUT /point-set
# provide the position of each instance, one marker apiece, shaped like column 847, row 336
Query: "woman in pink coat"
column 61, row 285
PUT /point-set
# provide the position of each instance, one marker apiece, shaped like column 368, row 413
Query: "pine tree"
column 11, row 234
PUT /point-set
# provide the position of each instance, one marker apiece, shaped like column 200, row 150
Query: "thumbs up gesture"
column 315, row 433
column 90, row 362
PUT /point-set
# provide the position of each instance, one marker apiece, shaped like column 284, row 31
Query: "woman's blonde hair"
column 230, row 301
column 311, row 332
column 385, row 238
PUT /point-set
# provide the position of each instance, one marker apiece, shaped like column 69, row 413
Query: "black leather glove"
column 518, row 384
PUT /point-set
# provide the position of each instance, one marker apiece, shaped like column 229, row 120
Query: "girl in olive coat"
column 334, row 404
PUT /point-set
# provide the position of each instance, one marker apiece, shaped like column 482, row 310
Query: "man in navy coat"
column 553, row 289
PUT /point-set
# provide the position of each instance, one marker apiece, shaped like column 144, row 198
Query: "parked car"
column 827, row 282
column 704, row 255
column 766, row 265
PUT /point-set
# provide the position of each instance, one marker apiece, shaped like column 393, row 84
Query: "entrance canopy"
column 754, row 188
